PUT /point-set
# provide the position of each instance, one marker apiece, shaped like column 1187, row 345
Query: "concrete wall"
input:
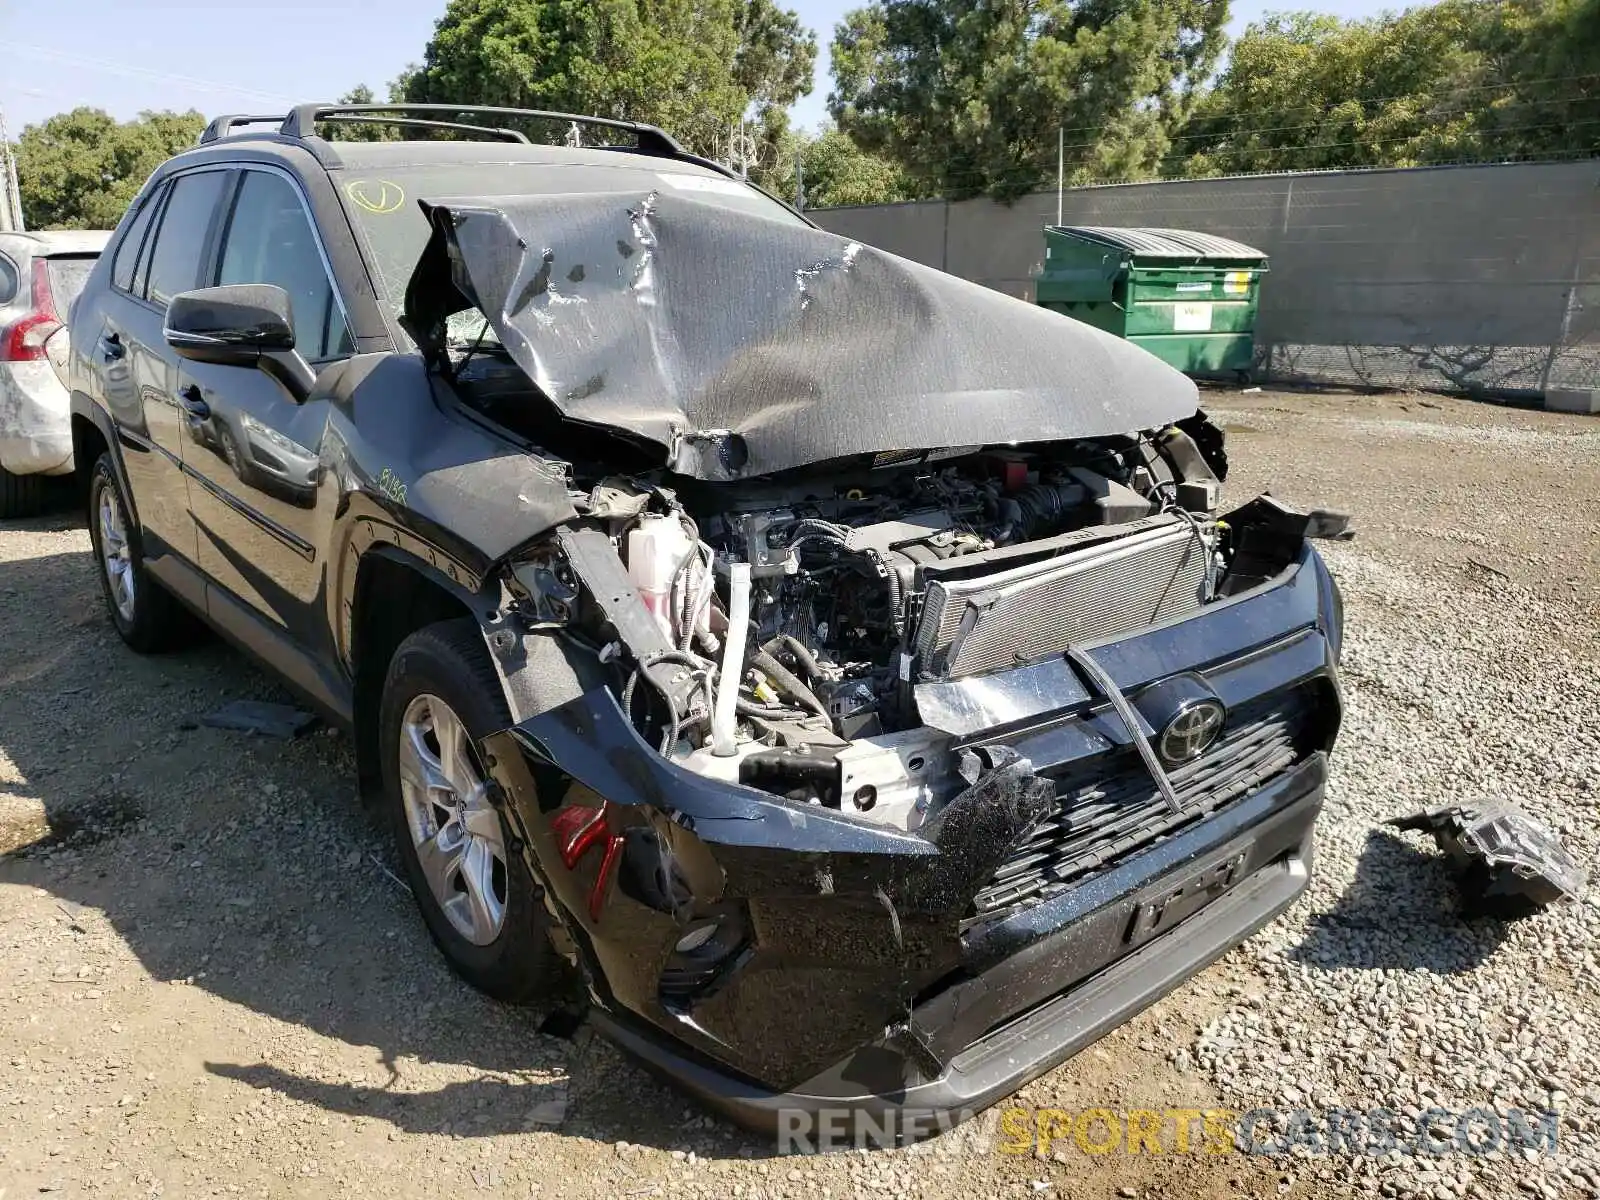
column 1480, row 277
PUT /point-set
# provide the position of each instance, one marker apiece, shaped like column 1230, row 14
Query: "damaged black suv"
column 847, row 669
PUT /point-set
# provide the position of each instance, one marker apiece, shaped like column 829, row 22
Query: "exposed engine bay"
column 772, row 632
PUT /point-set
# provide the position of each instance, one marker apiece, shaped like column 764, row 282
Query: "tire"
column 21, row 495
column 447, row 663
column 147, row 617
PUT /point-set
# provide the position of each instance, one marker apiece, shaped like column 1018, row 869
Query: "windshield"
column 383, row 207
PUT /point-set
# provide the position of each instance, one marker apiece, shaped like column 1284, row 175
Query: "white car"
column 41, row 275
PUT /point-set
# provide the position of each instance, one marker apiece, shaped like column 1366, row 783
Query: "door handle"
column 111, row 347
column 189, row 397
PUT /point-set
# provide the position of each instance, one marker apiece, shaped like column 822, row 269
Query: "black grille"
column 1111, row 806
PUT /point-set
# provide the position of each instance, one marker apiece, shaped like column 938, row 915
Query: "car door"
column 261, row 497
column 137, row 375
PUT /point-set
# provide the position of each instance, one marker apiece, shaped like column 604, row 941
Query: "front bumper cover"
column 1104, row 985
column 851, row 972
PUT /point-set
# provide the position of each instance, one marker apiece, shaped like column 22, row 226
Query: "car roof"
column 42, row 243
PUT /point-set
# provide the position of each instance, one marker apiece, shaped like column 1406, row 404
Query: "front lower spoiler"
column 1272, row 830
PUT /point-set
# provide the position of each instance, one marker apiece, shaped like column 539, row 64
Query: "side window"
column 181, row 240
column 8, row 281
column 128, row 249
column 270, row 240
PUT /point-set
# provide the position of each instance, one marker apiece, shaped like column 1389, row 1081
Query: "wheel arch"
column 394, row 594
column 92, row 436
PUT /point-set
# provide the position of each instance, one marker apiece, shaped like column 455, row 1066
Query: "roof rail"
column 649, row 139
column 223, row 126
column 505, row 135
column 301, row 122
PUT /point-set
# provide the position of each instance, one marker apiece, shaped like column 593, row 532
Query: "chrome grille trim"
column 1034, row 612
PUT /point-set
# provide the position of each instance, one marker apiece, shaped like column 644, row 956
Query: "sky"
column 128, row 55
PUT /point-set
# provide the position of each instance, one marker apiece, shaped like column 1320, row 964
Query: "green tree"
column 695, row 67
column 773, row 68
column 969, row 95
column 775, row 56
column 1542, row 62
column 836, row 171
column 80, row 169
column 1457, row 80
column 358, row 131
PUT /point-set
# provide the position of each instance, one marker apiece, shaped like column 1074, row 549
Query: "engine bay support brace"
column 1108, row 687
column 595, row 561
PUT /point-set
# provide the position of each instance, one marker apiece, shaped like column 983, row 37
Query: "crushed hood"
column 743, row 345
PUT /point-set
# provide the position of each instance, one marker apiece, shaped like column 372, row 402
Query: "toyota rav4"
column 847, row 669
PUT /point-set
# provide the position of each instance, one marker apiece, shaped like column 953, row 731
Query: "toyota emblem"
column 1190, row 734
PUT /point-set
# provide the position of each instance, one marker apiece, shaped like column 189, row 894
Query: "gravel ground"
column 1470, row 671
column 211, row 984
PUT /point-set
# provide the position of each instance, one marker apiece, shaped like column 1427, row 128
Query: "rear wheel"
column 21, row 495
column 476, row 897
column 145, row 614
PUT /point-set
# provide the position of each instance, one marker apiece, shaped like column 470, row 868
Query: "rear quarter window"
column 127, row 253
column 8, row 281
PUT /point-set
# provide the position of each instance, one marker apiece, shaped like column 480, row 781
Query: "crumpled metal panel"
column 35, row 425
column 682, row 322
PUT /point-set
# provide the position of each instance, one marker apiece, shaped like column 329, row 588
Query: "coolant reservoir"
column 657, row 548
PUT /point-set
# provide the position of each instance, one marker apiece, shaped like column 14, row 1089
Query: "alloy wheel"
column 455, row 830
column 115, row 556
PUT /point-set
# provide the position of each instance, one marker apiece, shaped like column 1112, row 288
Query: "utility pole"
column 10, row 197
column 1061, row 166
column 799, row 182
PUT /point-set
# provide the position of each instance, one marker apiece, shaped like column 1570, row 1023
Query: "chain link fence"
column 1483, row 279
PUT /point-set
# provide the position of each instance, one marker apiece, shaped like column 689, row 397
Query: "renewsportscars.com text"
column 1015, row 1130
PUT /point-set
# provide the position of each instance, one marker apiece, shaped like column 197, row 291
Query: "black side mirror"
column 240, row 325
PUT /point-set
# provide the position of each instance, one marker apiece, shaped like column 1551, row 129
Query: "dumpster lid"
column 1161, row 243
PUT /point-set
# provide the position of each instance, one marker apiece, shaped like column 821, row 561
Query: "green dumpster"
column 1188, row 298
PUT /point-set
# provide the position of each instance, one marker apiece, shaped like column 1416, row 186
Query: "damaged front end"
column 876, row 764
column 842, row 859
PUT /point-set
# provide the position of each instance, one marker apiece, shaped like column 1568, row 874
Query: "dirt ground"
column 212, row 984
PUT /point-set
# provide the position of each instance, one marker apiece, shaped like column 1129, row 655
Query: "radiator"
column 1031, row 613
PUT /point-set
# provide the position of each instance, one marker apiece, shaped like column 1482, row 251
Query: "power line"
column 137, row 72
column 1371, row 101
column 1428, row 114
column 1310, row 147
column 1433, row 147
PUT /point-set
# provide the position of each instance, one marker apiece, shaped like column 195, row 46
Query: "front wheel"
column 477, row 899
